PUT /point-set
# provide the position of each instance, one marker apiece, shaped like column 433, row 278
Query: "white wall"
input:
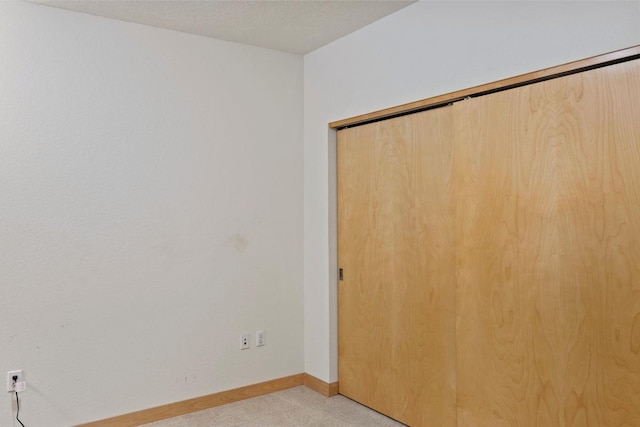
column 424, row 50
column 151, row 211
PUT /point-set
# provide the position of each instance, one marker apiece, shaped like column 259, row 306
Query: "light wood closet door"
column 396, row 248
column 548, row 253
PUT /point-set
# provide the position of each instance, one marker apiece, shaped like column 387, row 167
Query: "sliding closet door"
column 548, row 253
column 396, row 249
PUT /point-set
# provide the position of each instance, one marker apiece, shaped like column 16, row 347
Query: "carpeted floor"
column 298, row 406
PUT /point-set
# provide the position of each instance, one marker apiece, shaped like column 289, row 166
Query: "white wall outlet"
column 259, row 338
column 244, row 342
column 18, row 384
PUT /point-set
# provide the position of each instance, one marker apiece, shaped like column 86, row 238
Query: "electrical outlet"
column 259, row 338
column 18, row 384
column 244, row 342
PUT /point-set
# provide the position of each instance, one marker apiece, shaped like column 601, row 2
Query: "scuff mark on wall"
column 239, row 242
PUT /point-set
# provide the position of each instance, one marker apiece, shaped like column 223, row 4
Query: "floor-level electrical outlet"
column 259, row 338
column 244, row 342
column 16, row 384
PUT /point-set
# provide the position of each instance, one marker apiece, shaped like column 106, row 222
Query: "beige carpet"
column 298, row 406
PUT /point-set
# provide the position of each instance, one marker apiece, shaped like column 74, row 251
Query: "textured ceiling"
column 290, row 26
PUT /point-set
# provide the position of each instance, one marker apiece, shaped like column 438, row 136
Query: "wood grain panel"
column 548, row 225
column 427, row 337
column 599, row 214
column 370, row 252
column 363, row 355
column 491, row 314
column 396, row 303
